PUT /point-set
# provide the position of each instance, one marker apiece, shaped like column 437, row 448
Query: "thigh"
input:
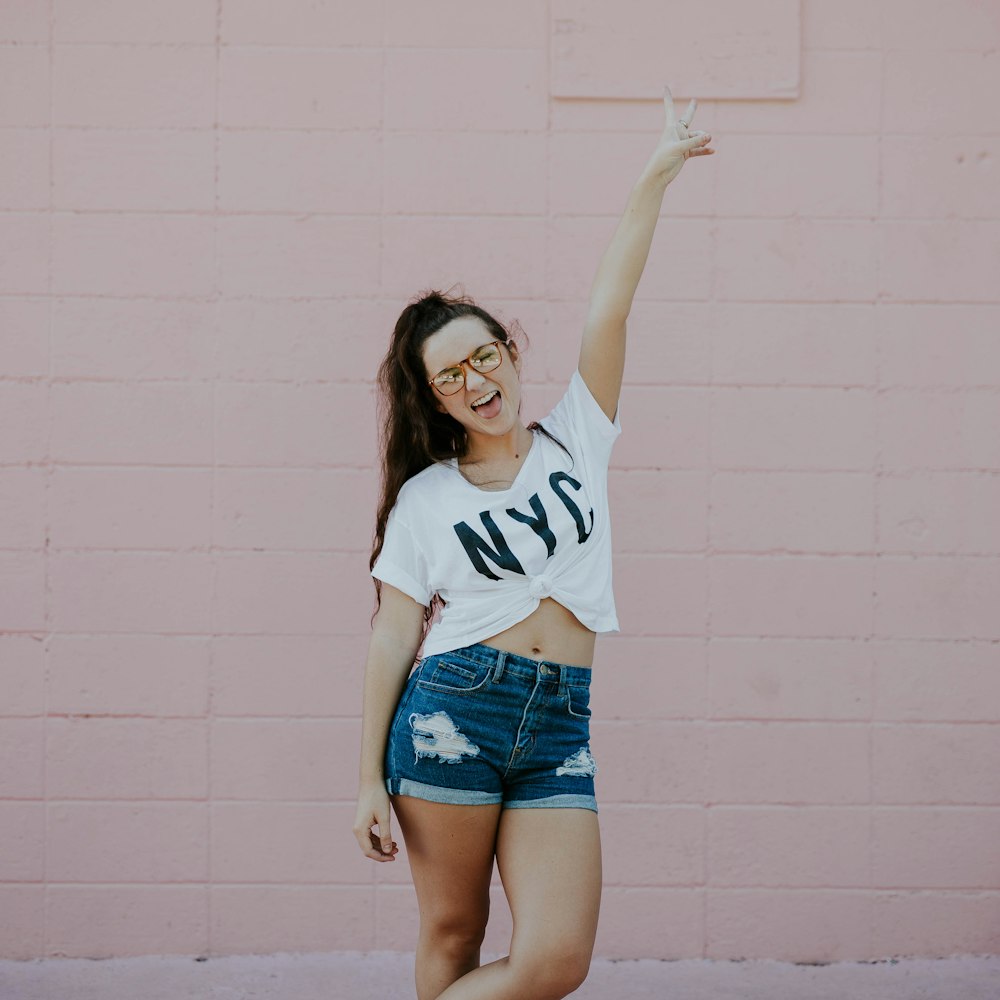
column 450, row 849
column 550, row 865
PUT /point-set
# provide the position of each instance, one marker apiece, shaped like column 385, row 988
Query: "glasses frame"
column 461, row 367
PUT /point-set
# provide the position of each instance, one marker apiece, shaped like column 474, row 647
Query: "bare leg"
column 450, row 849
column 550, row 863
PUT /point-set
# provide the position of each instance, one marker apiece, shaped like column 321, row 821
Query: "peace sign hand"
column 678, row 142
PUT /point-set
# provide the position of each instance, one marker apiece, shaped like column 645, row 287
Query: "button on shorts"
column 479, row 725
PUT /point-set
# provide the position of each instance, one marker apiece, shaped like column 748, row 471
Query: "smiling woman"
column 492, row 560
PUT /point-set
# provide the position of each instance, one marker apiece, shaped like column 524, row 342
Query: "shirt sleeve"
column 579, row 416
column 401, row 563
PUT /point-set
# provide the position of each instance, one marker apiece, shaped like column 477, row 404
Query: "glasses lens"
column 486, row 358
column 450, row 380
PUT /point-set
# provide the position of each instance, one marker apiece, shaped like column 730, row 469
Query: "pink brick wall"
column 212, row 214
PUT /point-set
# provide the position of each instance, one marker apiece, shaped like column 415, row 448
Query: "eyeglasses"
column 483, row 359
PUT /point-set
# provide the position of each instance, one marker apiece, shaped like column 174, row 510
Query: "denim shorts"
column 479, row 725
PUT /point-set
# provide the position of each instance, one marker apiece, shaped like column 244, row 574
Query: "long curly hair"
column 413, row 432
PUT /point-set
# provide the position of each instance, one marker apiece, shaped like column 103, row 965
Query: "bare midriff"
column 551, row 632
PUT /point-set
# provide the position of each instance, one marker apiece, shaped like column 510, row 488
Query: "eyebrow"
column 455, row 364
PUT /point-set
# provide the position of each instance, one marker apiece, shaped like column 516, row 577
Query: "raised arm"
column 602, row 353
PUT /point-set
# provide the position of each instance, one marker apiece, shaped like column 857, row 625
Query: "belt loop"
column 498, row 669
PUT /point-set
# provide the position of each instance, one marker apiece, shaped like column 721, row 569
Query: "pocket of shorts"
column 578, row 701
column 453, row 675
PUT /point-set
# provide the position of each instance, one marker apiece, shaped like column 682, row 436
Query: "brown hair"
column 413, row 432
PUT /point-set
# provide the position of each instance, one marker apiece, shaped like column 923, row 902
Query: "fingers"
column 385, row 837
column 668, row 107
column 378, row 847
column 672, row 121
column 362, row 836
column 382, row 851
column 694, row 144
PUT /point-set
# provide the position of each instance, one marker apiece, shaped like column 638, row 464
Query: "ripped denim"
column 480, row 725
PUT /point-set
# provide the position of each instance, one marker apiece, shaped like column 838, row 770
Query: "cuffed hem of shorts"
column 554, row 802
column 437, row 793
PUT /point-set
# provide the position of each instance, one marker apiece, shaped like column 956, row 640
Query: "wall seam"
column 214, row 553
column 47, row 503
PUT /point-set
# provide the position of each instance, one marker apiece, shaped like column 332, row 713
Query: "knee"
column 556, row 971
column 568, row 972
column 456, row 934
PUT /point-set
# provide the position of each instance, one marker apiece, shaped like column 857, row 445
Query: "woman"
column 498, row 539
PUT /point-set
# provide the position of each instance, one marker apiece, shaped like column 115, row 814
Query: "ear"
column 514, row 356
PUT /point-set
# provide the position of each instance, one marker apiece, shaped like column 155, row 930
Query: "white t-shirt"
column 492, row 555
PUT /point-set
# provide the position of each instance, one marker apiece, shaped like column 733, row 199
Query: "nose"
column 473, row 379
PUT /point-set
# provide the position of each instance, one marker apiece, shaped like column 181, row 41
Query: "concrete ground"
column 388, row 976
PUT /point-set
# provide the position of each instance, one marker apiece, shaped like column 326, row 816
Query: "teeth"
column 483, row 399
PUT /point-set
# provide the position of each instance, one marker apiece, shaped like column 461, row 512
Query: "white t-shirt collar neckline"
column 532, row 448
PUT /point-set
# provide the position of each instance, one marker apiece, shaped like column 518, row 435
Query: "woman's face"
column 499, row 390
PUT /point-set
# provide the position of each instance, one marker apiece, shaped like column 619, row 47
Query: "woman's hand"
column 373, row 810
column 678, row 142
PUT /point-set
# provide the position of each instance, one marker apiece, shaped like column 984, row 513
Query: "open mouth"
column 488, row 405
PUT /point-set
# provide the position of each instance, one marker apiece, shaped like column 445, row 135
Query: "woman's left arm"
column 602, row 353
